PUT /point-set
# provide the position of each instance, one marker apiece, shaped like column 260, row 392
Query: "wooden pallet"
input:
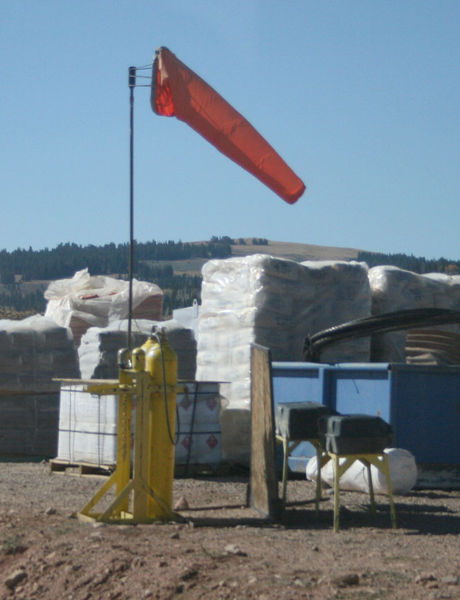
column 81, row 468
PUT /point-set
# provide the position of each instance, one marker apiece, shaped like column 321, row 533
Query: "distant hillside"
column 288, row 250
column 174, row 266
column 295, row 251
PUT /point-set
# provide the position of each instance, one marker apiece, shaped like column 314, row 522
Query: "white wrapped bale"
column 275, row 303
column 395, row 289
column 188, row 317
column 33, row 352
column 99, row 347
column 29, row 424
column 95, row 301
column 339, row 292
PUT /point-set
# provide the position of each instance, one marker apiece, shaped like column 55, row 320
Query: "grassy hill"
column 295, row 251
column 179, row 278
column 288, row 250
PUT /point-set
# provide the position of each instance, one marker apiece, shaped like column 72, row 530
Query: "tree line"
column 22, row 266
column 31, row 302
column 416, row 264
column 64, row 260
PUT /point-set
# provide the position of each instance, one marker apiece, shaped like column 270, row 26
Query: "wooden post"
column 263, row 490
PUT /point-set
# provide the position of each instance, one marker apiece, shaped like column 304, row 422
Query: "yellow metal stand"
column 146, row 496
column 380, row 461
column 321, row 459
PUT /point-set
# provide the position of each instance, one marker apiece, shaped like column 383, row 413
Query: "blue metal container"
column 422, row 403
column 299, row 382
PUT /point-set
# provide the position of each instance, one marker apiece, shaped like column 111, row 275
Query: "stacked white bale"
column 99, row 347
column 33, row 352
column 395, row 289
column 337, row 292
column 95, row 301
column 188, row 317
column 275, row 303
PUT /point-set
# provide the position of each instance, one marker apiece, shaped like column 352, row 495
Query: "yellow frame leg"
column 321, row 459
column 285, row 468
column 339, row 470
column 85, row 513
column 380, row 461
column 367, row 464
column 124, row 445
column 288, row 447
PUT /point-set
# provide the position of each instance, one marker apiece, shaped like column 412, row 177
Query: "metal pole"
column 132, row 85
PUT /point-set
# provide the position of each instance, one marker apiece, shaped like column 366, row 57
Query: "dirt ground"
column 224, row 550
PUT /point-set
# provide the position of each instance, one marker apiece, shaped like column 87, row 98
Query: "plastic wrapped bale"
column 275, row 303
column 33, row 352
column 188, row 316
column 341, row 294
column 99, row 347
column 395, row 289
column 95, row 301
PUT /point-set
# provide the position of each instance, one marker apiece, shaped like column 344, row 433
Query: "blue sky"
column 361, row 98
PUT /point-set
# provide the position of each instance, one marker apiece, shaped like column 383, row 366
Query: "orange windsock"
column 179, row 92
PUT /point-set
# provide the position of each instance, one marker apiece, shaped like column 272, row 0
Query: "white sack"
column 403, row 474
column 84, row 300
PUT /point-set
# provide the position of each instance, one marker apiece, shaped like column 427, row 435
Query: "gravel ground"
column 224, row 550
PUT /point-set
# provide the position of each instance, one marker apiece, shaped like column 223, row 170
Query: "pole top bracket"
column 132, row 77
